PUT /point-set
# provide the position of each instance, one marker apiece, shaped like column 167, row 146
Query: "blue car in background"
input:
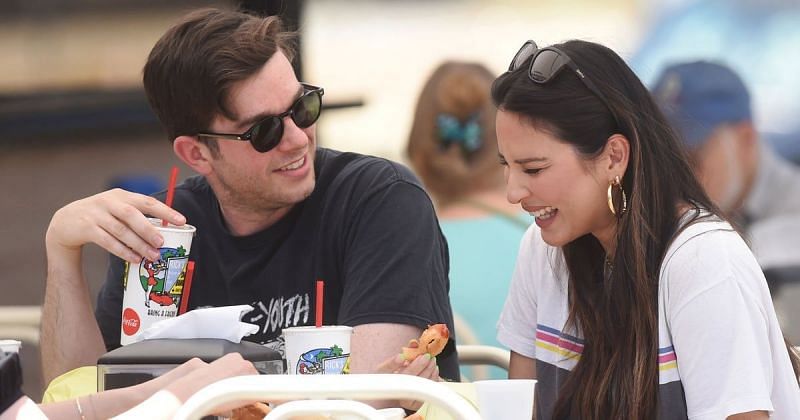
column 759, row 39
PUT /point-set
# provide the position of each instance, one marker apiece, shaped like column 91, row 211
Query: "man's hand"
column 114, row 220
column 423, row 366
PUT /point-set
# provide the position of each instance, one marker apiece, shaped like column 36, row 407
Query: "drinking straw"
column 318, row 306
column 187, row 286
column 173, row 176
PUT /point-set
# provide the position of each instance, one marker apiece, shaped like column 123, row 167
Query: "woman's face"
column 566, row 193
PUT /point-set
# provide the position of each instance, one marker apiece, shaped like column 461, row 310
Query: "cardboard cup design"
column 508, row 399
column 317, row 351
column 153, row 289
column 10, row 346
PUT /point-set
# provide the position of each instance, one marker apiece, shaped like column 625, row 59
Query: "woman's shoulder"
column 701, row 239
column 705, row 254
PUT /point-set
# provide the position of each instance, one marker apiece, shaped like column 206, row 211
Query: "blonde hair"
column 449, row 170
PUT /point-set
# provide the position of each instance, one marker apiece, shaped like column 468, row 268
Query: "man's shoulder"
column 193, row 193
column 365, row 170
column 193, row 185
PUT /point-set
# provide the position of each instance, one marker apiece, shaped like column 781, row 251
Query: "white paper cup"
column 317, row 351
column 507, row 399
column 10, row 346
column 153, row 289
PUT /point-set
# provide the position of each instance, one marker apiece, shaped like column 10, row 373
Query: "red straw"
column 173, row 176
column 318, row 308
column 187, row 286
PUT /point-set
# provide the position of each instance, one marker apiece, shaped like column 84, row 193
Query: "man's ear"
column 194, row 153
column 616, row 155
column 747, row 135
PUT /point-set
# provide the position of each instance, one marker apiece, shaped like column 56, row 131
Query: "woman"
column 158, row 398
column 453, row 148
column 632, row 298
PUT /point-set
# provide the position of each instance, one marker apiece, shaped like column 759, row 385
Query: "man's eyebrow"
column 258, row 117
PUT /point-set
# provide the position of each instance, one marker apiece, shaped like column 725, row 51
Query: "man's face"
column 719, row 169
column 247, row 179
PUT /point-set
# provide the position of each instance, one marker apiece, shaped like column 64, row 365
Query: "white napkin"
column 220, row 322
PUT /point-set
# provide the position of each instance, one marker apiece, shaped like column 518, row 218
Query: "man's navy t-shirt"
column 368, row 230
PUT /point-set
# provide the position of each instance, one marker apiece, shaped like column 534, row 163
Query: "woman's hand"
column 185, row 381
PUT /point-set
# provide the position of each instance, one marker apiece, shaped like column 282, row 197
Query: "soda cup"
column 153, row 289
column 317, row 350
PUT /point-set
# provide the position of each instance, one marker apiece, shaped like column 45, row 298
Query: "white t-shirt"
column 721, row 351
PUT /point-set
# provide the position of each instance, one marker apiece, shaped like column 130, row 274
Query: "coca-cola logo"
column 130, row 321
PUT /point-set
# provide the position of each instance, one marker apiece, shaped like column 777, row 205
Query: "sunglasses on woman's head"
column 268, row 131
column 547, row 63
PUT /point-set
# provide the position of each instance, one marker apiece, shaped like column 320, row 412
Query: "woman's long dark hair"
column 617, row 374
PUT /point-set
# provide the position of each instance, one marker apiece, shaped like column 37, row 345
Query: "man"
column 273, row 214
column 710, row 107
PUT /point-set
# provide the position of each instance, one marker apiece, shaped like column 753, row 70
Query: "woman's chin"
column 554, row 240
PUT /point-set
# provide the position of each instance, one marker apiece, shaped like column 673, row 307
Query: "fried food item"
column 432, row 341
column 255, row 411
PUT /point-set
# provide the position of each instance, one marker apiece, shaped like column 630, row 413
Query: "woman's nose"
column 515, row 190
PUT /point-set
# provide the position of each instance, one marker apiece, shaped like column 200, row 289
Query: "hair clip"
column 467, row 134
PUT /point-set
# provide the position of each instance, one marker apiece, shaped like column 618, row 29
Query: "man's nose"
column 294, row 137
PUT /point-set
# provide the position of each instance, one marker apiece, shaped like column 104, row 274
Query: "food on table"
column 255, row 411
column 432, row 341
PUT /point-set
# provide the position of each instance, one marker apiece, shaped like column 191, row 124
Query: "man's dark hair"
column 191, row 69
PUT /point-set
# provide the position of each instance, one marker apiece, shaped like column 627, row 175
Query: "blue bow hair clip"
column 451, row 130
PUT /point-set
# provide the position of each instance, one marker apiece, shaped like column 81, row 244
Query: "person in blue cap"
column 710, row 106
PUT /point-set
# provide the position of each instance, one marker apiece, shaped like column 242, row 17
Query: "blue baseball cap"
column 697, row 97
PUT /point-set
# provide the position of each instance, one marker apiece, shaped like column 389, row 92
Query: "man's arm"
column 372, row 344
column 375, row 348
column 115, row 221
column 397, row 254
column 70, row 337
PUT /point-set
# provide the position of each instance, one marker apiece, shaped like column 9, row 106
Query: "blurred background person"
column 754, row 38
column 710, row 106
column 453, row 149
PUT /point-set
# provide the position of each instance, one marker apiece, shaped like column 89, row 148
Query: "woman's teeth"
column 295, row 165
column 544, row 213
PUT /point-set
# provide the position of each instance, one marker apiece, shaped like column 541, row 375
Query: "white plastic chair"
column 474, row 354
column 20, row 323
column 330, row 407
column 326, row 387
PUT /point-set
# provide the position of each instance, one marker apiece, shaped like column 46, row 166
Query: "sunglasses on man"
column 547, row 63
column 267, row 132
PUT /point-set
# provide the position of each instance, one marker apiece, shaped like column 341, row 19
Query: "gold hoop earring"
column 616, row 183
